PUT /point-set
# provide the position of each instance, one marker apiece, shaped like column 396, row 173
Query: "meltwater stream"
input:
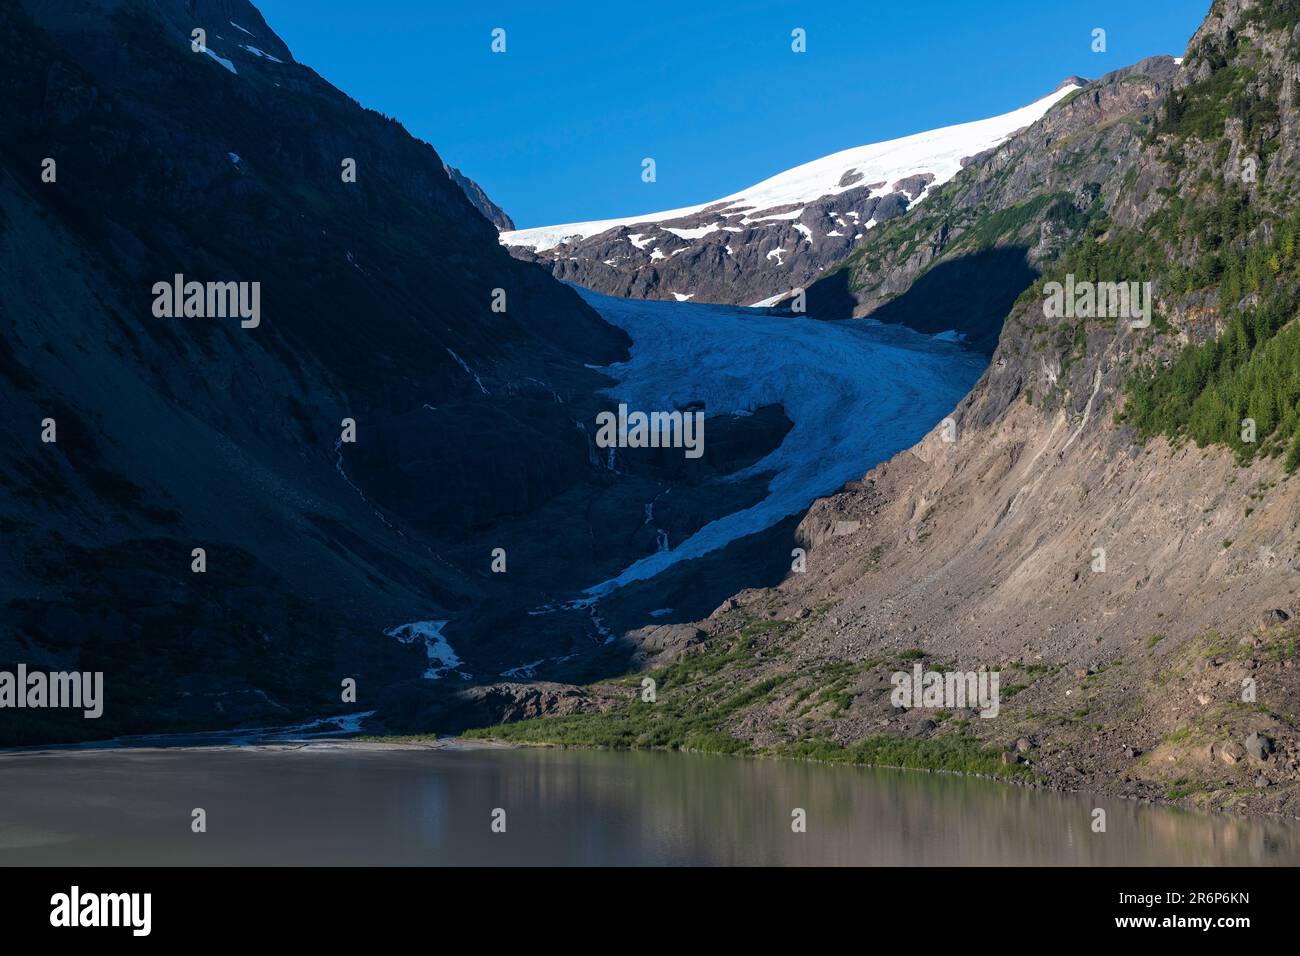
column 329, row 804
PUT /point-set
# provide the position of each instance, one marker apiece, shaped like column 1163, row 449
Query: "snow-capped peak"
column 936, row 152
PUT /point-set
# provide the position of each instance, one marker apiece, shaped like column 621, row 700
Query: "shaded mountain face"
column 1110, row 519
column 132, row 158
column 490, row 210
column 755, row 246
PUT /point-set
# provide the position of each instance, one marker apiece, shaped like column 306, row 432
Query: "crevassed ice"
column 857, row 392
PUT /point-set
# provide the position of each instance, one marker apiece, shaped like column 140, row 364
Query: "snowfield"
column 857, row 391
column 938, row 152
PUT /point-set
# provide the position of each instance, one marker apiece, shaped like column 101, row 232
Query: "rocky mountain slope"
column 760, row 243
column 134, row 154
column 1095, row 522
column 961, row 261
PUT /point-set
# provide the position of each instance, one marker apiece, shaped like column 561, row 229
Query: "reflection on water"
column 324, row 804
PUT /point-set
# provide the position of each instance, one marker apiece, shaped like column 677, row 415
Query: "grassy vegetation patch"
column 633, row 727
column 690, row 713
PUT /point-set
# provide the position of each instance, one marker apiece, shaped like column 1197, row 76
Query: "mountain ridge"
column 754, row 246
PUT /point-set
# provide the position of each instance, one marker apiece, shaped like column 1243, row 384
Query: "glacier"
column 858, row 391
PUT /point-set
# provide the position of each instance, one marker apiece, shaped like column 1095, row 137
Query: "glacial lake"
column 321, row 803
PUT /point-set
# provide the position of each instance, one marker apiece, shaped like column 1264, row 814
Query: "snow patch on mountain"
column 441, row 657
column 222, row 60
column 264, row 55
column 694, row 233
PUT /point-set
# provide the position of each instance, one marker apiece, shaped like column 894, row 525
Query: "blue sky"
column 556, row 127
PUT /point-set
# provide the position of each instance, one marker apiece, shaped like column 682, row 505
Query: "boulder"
column 663, row 642
column 1259, row 746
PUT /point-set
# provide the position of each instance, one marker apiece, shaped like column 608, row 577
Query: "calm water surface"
column 325, row 804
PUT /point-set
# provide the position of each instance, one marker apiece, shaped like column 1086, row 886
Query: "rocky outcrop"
column 500, row 703
column 490, row 210
column 752, row 258
column 663, row 643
